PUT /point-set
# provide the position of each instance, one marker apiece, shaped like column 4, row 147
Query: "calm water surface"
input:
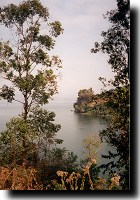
column 74, row 127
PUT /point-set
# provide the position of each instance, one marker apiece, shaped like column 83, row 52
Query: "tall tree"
column 25, row 61
column 26, row 67
column 116, row 45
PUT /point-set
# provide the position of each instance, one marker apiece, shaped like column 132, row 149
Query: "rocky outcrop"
column 85, row 107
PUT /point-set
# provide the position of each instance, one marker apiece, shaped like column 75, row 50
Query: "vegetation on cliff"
column 85, row 97
column 90, row 103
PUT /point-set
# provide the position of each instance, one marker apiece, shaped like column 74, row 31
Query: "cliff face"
column 85, row 107
column 85, row 96
column 88, row 103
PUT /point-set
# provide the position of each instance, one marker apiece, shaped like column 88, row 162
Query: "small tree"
column 29, row 140
column 17, row 143
column 26, row 63
column 85, row 95
column 41, row 122
column 92, row 145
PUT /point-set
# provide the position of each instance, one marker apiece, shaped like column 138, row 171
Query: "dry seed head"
column 93, row 161
column 78, row 175
column 61, row 173
column 115, row 180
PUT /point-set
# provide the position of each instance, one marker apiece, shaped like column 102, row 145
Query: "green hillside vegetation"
column 88, row 103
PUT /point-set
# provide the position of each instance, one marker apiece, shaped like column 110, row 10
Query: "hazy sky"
column 83, row 23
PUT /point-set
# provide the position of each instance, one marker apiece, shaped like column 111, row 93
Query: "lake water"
column 74, row 127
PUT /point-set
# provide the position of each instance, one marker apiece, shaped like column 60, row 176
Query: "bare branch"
column 18, row 101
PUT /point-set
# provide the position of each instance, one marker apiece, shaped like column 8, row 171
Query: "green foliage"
column 17, row 143
column 35, row 136
column 85, row 96
column 41, row 122
column 7, row 93
column 117, row 133
column 88, row 103
column 116, row 45
column 13, row 14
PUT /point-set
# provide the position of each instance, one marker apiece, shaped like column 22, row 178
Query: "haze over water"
column 75, row 127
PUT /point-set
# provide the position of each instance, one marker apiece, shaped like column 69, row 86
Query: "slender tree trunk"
column 25, row 115
column 25, row 107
